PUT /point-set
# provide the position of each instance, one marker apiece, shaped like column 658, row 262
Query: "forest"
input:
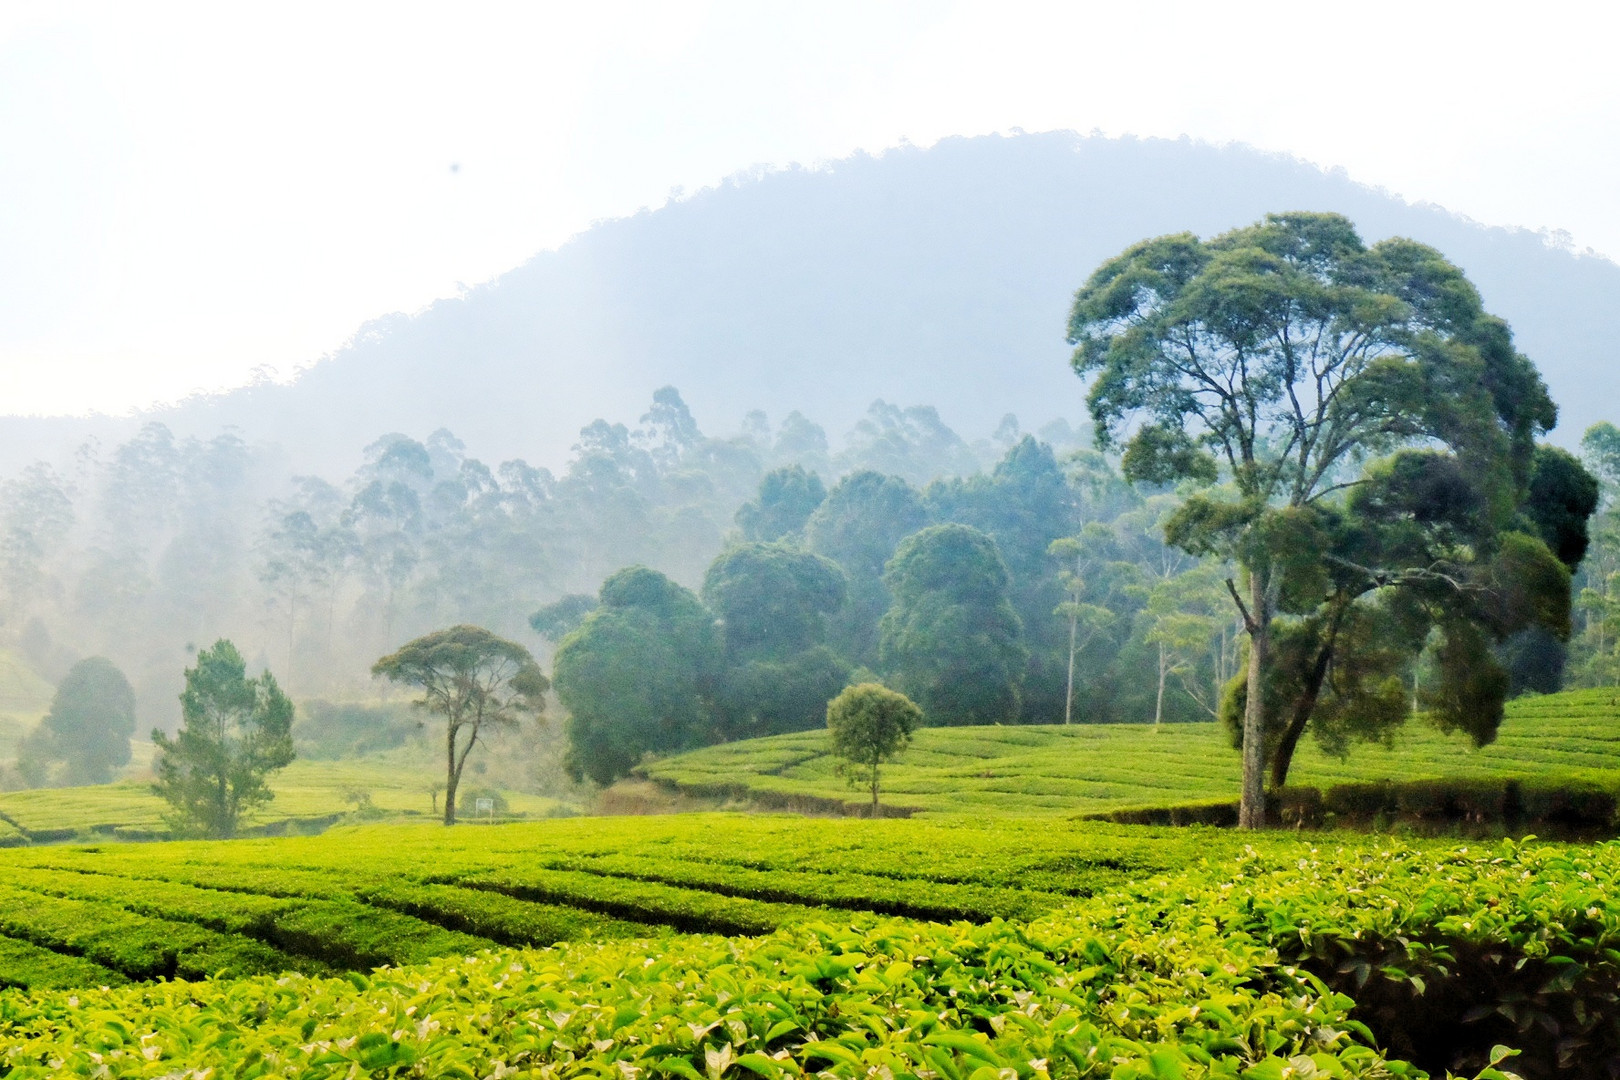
column 144, row 552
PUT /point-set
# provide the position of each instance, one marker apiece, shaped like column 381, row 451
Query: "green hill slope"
column 1095, row 767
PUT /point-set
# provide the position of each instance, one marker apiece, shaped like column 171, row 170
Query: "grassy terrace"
column 1091, row 767
column 312, row 792
column 358, row 897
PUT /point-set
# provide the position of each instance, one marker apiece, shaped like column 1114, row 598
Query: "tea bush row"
column 1447, row 950
column 1054, row 999
column 136, row 946
column 1568, row 809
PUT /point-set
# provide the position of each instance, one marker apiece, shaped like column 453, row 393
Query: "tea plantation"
column 1100, row 767
column 708, row 947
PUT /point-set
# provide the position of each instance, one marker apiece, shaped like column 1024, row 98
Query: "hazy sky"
column 192, row 192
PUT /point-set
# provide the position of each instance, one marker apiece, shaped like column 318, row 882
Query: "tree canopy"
column 863, row 518
column 951, row 640
column 234, row 732
column 868, row 725
column 787, row 497
column 1283, row 357
column 772, row 602
column 86, row 733
column 638, row 676
column 476, row 681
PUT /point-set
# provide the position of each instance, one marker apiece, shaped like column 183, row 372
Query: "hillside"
column 1088, row 768
column 25, row 696
column 938, row 276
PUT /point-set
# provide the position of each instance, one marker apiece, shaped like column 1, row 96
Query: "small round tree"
column 88, row 728
column 869, row 725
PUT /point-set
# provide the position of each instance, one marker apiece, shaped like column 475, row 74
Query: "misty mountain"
column 938, row 276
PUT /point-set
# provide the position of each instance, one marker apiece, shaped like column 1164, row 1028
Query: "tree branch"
column 1248, row 620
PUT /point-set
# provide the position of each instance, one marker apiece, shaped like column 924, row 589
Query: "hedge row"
column 1239, row 968
column 849, row 890
column 136, row 946
column 148, row 929
column 1564, row 810
column 642, row 902
column 495, row 916
column 33, row 967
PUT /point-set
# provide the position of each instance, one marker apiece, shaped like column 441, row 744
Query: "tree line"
column 1318, row 502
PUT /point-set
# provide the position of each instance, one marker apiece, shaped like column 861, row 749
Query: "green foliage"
column 1600, row 445
column 88, row 727
column 476, row 681
column 333, row 730
column 1206, row 958
column 868, row 725
column 1289, row 352
column 1562, row 497
column 951, row 639
column 767, row 697
column 638, row 675
column 787, row 497
column 1024, row 504
column 234, row 732
column 863, row 519
column 772, row 599
column 557, row 620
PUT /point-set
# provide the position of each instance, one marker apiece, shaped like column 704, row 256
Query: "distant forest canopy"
column 152, row 548
column 942, row 274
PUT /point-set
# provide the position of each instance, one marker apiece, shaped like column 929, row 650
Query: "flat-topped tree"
column 1283, row 356
column 476, row 681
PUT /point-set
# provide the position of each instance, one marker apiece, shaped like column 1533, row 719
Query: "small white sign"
column 484, row 806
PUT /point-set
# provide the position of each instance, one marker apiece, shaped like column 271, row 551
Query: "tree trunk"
column 452, row 776
column 1284, row 756
column 1158, row 704
column 1252, row 807
column 1068, row 697
column 874, row 791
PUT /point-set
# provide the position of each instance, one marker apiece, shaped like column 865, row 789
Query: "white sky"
column 192, row 192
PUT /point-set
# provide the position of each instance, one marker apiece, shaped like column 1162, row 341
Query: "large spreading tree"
column 772, row 601
column 1375, row 430
column 477, row 681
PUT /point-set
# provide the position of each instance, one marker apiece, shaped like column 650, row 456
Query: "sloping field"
column 1092, row 767
column 308, row 793
column 1074, row 951
column 388, row 894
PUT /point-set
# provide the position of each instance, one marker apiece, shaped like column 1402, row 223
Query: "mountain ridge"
column 936, row 276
